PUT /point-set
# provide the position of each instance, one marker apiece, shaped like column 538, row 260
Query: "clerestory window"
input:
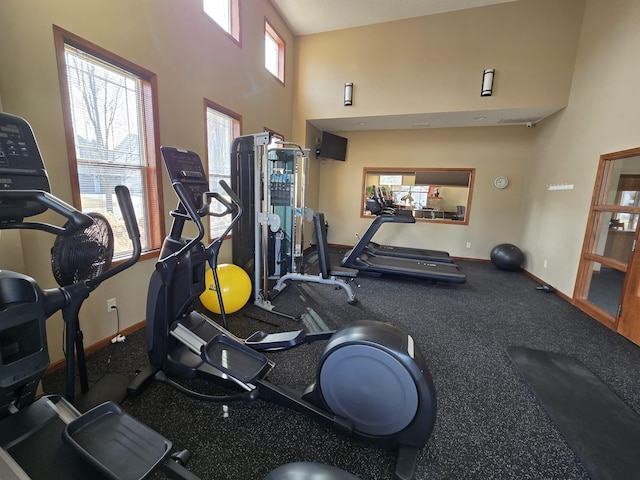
column 273, row 52
column 226, row 14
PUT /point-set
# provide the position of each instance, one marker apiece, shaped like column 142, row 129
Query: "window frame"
column 152, row 173
column 277, row 38
column 236, row 132
column 234, row 21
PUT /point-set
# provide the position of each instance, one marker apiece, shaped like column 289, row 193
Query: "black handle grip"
column 129, row 214
column 126, row 207
column 231, row 193
column 228, row 206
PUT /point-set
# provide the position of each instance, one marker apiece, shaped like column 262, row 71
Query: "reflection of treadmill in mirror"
column 399, row 216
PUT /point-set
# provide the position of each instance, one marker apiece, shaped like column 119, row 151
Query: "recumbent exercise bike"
column 372, row 380
column 49, row 438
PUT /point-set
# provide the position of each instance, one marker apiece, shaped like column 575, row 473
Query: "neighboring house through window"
column 108, row 110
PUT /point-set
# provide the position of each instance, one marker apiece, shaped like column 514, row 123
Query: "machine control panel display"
column 21, row 168
column 185, row 167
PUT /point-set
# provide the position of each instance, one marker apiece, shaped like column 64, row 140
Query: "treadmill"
column 395, row 216
column 377, row 265
column 426, row 264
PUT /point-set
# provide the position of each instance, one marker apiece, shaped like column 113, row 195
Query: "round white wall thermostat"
column 501, row 182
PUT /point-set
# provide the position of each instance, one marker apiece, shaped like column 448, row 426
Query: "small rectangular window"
column 273, row 52
column 226, row 14
column 223, row 126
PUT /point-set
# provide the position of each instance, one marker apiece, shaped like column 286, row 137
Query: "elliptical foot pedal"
column 275, row 341
column 235, row 359
column 117, row 444
column 406, row 463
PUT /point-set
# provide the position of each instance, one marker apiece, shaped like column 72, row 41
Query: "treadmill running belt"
column 428, row 270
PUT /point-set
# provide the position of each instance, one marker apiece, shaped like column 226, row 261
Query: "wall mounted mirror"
column 432, row 194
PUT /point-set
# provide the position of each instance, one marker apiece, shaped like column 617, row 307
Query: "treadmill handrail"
column 377, row 222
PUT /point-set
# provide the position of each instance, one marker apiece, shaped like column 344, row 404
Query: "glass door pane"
column 617, row 235
column 605, row 288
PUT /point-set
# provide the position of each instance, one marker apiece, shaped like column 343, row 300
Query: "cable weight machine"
column 269, row 177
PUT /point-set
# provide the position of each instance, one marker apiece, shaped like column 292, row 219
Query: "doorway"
column 608, row 283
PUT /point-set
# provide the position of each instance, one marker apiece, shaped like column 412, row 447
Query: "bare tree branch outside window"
column 107, row 126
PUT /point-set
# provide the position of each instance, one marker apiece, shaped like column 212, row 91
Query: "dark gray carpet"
column 602, row 430
column 489, row 425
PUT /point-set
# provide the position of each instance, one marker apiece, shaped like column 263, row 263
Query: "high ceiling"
column 306, row 17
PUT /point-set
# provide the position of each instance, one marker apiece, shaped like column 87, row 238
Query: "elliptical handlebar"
column 234, row 206
column 193, row 214
column 77, row 219
column 126, row 207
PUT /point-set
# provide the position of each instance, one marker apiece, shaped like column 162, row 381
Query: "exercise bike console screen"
column 21, row 168
column 19, row 341
column 186, row 168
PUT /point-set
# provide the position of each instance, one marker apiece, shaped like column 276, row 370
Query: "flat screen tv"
column 333, row 147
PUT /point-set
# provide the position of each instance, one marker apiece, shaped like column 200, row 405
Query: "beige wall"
column 601, row 117
column 192, row 58
column 11, row 252
column 435, row 63
column 495, row 215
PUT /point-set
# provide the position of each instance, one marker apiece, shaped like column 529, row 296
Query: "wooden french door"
column 608, row 283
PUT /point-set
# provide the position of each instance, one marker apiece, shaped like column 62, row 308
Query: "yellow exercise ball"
column 235, row 286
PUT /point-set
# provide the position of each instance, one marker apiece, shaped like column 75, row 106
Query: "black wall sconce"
column 487, row 82
column 348, row 94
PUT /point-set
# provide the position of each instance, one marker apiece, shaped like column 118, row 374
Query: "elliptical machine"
column 49, row 438
column 372, row 381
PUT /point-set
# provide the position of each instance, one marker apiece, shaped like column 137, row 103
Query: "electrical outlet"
column 111, row 304
column 544, row 264
column 468, row 244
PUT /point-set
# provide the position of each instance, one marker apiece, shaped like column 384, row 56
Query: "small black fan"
column 83, row 254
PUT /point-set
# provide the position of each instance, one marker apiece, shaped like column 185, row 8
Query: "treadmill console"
column 185, row 167
column 21, row 168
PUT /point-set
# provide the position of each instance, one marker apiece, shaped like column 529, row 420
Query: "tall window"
column 226, row 14
column 222, row 127
column 111, row 138
column 273, row 52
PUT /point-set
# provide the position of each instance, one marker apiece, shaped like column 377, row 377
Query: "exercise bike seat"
column 307, row 471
